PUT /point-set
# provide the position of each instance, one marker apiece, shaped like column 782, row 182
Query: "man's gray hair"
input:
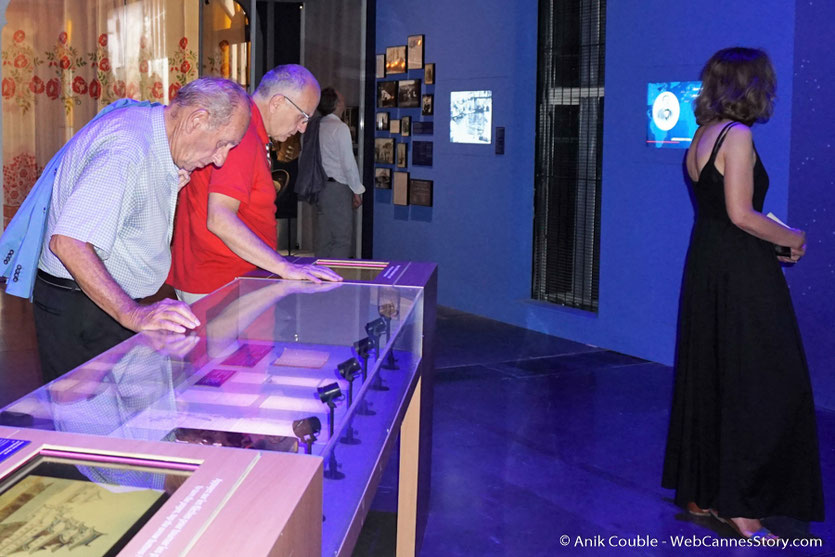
column 219, row 97
column 285, row 80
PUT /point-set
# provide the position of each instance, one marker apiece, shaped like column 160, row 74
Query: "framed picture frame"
column 394, row 126
column 382, row 178
column 429, row 73
column 427, row 105
column 422, row 153
column 384, row 150
column 415, row 45
column 423, row 128
column 400, row 187
column 386, row 94
column 381, row 66
column 405, row 126
column 420, row 192
column 382, row 121
column 395, row 60
column 402, row 155
column 408, row 93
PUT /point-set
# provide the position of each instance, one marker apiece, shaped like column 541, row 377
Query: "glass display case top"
column 274, row 365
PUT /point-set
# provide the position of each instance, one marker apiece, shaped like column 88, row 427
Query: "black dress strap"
column 719, row 141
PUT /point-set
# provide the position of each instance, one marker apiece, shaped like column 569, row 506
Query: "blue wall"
column 812, row 191
column 480, row 230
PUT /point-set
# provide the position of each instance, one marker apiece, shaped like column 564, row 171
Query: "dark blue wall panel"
column 812, row 190
column 480, row 230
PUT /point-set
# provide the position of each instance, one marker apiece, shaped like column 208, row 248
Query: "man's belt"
column 58, row 282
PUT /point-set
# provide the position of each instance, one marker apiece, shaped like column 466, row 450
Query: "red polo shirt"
column 200, row 261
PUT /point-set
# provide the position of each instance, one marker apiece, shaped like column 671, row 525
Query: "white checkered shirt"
column 116, row 188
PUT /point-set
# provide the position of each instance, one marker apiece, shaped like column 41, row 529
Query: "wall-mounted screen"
column 470, row 116
column 670, row 119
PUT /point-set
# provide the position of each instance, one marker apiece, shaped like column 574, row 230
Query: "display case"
column 326, row 370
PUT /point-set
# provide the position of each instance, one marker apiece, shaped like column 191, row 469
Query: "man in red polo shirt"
column 225, row 224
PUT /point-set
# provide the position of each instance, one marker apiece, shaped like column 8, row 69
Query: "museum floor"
column 535, row 438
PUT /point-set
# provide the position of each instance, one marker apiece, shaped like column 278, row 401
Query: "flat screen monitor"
column 670, row 119
column 470, row 116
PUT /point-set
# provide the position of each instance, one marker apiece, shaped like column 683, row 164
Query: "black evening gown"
column 743, row 437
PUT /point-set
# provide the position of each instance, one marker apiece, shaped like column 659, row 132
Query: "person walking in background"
column 342, row 193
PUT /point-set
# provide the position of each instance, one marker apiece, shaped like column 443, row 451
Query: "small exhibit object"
column 405, row 126
column 500, row 140
column 408, row 93
column 382, row 178
column 415, row 44
column 247, row 355
column 299, row 357
column 401, row 188
column 429, row 74
column 395, row 60
column 422, row 153
column 384, row 150
column 402, row 159
column 394, row 126
column 381, row 66
column 420, row 192
column 382, row 121
column 386, row 94
column 216, row 377
column 427, row 105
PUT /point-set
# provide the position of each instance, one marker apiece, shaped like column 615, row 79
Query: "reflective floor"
column 535, row 438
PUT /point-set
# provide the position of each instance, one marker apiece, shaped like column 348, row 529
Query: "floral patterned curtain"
column 63, row 60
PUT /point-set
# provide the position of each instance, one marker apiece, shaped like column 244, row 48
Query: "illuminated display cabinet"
column 337, row 376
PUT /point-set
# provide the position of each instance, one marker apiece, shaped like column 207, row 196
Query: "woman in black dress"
column 742, row 441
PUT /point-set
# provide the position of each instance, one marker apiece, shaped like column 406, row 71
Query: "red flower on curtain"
column 79, row 85
column 156, row 90
column 182, row 66
column 104, row 65
column 185, row 66
column 8, row 88
column 65, row 62
column 21, row 61
column 119, row 89
column 183, row 43
column 172, row 90
column 143, row 42
column 53, row 88
column 95, row 89
column 143, row 66
column 18, row 178
column 62, row 37
column 132, row 90
column 36, row 85
column 19, row 35
column 103, row 39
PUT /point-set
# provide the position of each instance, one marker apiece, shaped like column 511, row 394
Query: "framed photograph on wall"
column 415, row 55
column 402, row 155
column 405, row 126
column 470, row 117
column 395, row 60
column 420, row 192
column 400, row 195
column 382, row 178
column 427, row 105
column 386, row 94
column 382, row 121
column 423, row 128
column 422, row 153
column 394, row 126
column 408, row 93
column 429, row 74
column 381, row 66
column 384, row 150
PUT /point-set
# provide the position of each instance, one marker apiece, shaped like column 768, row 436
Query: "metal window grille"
column 569, row 134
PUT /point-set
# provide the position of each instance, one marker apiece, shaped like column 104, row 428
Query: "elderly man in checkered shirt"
column 108, row 232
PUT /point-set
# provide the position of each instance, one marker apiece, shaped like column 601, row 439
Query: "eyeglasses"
column 305, row 115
